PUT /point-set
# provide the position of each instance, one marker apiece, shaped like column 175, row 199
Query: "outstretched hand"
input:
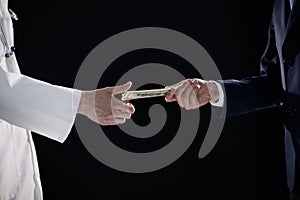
column 102, row 107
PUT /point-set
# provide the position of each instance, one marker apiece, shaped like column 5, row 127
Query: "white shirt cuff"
column 220, row 102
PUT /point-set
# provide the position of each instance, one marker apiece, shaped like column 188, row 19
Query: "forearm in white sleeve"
column 220, row 102
column 38, row 106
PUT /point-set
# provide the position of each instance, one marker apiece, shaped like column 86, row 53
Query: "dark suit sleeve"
column 258, row 92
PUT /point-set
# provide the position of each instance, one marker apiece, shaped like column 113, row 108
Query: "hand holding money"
column 195, row 93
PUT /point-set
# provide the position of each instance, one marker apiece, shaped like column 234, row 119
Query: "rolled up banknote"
column 141, row 94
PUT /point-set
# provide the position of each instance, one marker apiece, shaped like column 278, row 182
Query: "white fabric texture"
column 27, row 105
column 220, row 102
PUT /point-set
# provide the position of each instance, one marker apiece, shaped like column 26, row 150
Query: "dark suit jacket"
column 279, row 81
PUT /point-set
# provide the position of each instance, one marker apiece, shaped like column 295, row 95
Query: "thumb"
column 170, row 96
column 121, row 88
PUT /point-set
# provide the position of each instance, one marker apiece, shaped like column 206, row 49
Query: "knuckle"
column 180, row 105
column 122, row 121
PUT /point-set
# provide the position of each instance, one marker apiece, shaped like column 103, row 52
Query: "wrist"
column 86, row 100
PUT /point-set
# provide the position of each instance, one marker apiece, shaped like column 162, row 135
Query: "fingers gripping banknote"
column 141, row 94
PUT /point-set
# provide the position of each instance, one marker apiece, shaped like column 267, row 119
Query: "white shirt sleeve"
column 220, row 102
column 38, row 106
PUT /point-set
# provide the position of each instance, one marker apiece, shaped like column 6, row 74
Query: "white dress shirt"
column 292, row 3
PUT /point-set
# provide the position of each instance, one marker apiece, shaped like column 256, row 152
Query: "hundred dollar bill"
column 141, row 94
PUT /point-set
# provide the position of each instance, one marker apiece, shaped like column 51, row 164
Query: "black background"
column 53, row 38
